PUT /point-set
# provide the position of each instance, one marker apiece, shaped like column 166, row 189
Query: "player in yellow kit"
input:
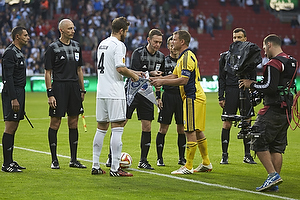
column 187, row 75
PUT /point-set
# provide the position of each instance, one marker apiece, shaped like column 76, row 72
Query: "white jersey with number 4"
column 110, row 55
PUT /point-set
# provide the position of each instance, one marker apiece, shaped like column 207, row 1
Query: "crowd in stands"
column 92, row 23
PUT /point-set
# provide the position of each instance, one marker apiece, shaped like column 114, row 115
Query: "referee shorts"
column 233, row 103
column 68, row 99
column 172, row 104
column 144, row 108
column 194, row 114
column 8, row 113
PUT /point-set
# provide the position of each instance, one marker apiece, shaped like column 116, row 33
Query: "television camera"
column 242, row 59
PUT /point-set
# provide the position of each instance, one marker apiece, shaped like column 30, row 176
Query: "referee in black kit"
column 63, row 60
column 147, row 59
column 13, row 94
column 171, row 104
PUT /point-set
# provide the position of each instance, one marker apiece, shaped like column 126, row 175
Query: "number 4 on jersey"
column 100, row 64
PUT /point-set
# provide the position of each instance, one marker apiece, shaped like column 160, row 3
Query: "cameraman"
column 272, row 123
column 228, row 86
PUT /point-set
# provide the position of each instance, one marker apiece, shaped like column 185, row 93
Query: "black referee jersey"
column 13, row 70
column 142, row 60
column 170, row 64
column 63, row 60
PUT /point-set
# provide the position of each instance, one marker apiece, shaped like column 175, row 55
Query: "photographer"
column 272, row 122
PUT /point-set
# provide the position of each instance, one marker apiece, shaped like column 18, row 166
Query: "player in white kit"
column 110, row 98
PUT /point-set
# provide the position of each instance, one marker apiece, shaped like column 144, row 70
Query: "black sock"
column 12, row 149
column 52, row 138
column 160, row 142
column 181, row 142
column 7, row 145
column 225, row 139
column 73, row 140
column 145, row 145
column 247, row 146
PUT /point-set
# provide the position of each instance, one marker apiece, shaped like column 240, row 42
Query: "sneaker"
column 160, row 162
column 249, row 159
column 183, row 170
column 10, row 168
column 76, row 164
column 270, row 182
column 108, row 162
column 97, row 171
column 274, row 189
column 203, row 168
column 181, row 161
column 120, row 172
column 224, row 158
column 55, row 164
column 17, row 165
column 145, row 165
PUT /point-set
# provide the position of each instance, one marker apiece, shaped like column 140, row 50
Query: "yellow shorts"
column 194, row 114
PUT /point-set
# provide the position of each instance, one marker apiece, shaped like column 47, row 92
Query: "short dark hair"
column 169, row 39
column 119, row 23
column 184, row 35
column 236, row 30
column 274, row 39
column 154, row 32
column 18, row 30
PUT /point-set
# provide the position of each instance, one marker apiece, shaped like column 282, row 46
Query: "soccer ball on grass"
column 126, row 160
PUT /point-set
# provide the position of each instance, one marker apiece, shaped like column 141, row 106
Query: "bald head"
column 66, row 29
column 63, row 23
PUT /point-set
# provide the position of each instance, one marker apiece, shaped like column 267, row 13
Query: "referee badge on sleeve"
column 76, row 56
column 157, row 66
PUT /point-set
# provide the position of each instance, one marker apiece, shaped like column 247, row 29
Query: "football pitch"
column 233, row 181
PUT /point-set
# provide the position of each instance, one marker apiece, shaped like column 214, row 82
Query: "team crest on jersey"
column 157, row 66
column 123, row 60
column 76, row 56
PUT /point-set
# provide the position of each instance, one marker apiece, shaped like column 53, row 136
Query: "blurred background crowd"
column 92, row 23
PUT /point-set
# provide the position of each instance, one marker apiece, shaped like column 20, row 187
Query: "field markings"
column 171, row 176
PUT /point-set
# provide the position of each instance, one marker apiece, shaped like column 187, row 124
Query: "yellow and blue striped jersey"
column 187, row 66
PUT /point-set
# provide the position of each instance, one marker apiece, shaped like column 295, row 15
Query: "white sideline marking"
column 171, row 176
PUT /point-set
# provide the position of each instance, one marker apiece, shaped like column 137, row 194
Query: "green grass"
column 233, row 181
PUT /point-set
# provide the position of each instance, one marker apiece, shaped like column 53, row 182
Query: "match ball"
column 126, row 160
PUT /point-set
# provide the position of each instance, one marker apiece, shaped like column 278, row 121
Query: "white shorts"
column 110, row 110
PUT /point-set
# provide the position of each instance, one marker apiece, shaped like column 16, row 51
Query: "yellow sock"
column 202, row 145
column 190, row 154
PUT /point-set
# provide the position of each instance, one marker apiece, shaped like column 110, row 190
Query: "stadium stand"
column 256, row 25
